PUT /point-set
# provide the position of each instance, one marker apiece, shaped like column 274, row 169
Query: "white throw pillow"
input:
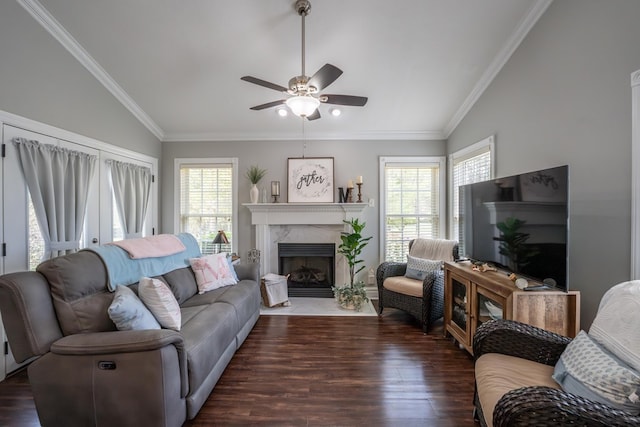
column 161, row 302
column 212, row 272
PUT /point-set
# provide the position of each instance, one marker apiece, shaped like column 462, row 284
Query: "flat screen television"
column 519, row 224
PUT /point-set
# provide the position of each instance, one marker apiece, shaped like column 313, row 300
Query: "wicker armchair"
column 538, row 406
column 426, row 309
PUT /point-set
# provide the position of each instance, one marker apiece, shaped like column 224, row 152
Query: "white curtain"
column 58, row 180
column 131, row 188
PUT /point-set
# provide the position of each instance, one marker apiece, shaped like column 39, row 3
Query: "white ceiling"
column 177, row 64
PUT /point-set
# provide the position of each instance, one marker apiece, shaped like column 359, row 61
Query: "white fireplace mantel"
column 326, row 219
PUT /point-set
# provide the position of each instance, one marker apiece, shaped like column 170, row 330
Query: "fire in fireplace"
column 310, row 267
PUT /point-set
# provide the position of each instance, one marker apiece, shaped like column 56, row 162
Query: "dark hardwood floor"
column 324, row 371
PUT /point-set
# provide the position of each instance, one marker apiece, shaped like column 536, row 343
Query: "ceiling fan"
column 305, row 97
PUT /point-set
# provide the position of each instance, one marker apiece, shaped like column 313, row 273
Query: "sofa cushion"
column 157, row 296
column 587, row 369
column 182, row 283
column 418, row 268
column 129, row 313
column 497, row 374
column 78, row 284
column 207, row 335
column 212, row 272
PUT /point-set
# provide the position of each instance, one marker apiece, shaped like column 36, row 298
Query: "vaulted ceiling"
column 176, row 65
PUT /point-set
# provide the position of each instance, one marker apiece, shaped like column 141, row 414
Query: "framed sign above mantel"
column 310, row 180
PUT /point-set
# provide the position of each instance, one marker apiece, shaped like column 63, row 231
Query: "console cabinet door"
column 458, row 302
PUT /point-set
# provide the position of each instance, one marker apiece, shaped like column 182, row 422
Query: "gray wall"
column 565, row 98
column 42, row 81
column 351, row 158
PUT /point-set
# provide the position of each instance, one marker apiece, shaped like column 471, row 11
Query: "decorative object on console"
column 353, row 295
column 275, row 190
column 310, row 179
column 254, row 175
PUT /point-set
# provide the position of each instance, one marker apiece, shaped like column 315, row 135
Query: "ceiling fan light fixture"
column 302, row 105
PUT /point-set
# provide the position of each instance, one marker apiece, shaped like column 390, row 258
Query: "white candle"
column 275, row 188
column 359, row 181
column 350, row 184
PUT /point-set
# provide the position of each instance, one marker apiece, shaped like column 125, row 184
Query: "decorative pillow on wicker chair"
column 418, row 268
column 587, row 369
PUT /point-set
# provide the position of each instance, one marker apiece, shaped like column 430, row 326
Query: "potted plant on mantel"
column 254, row 175
column 353, row 295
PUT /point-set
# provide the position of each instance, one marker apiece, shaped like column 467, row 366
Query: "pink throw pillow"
column 212, row 272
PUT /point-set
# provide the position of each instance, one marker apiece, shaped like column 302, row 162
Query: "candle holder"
column 275, row 190
column 359, row 192
column 350, row 195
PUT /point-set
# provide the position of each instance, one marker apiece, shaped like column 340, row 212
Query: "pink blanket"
column 152, row 246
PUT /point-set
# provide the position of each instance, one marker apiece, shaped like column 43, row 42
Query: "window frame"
column 460, row 155
column 440, row 161
column 233, row 161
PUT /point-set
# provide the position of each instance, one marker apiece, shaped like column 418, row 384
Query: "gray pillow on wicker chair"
column 418, row 268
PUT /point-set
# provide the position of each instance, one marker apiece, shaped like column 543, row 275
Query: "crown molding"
column 342, row 136
column 523, row 28
column 49, row 23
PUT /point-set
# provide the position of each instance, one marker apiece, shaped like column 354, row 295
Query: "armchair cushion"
column 497, row 374
column 588, row 370
column 404, row 285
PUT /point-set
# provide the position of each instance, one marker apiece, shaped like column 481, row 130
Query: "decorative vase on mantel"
column 254, row 193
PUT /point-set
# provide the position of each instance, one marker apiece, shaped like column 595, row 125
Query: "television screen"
column 519, row 224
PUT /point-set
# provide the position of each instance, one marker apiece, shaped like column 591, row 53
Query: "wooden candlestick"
column 359, row 184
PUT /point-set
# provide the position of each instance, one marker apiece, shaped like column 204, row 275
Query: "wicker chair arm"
column 390, row 269
column 544, row 406
column 519, row 340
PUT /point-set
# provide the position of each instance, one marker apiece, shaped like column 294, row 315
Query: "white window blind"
column 206, row 200
column 468, row 166
column 412, row 205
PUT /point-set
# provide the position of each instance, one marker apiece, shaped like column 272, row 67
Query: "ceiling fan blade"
column 315, row 115
column 264, row 83
column 268, row 105
column 325, row 76
column 354, row 101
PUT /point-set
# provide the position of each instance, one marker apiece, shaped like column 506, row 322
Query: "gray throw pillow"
column 129, row 313
column 418, row 268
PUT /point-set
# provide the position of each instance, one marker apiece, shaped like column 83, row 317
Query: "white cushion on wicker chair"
column 404, row 285
column 439, row 249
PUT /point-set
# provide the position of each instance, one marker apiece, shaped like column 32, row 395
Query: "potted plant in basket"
column 254, row 175
column 353, row 295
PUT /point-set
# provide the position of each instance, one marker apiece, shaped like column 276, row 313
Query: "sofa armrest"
column 115, row 342
column 519, row 340
column 534, row 406
column 248, row 272
column 28, row 314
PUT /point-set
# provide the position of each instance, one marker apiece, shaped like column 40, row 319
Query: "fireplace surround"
column 301, row 222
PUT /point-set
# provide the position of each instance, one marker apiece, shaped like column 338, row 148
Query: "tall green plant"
column 351, row 247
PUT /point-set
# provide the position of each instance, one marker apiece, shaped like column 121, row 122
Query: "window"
column 469, row 165
column 207, row 198
column 412, row 201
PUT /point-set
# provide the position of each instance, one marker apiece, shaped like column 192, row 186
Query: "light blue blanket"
column 123, row 270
